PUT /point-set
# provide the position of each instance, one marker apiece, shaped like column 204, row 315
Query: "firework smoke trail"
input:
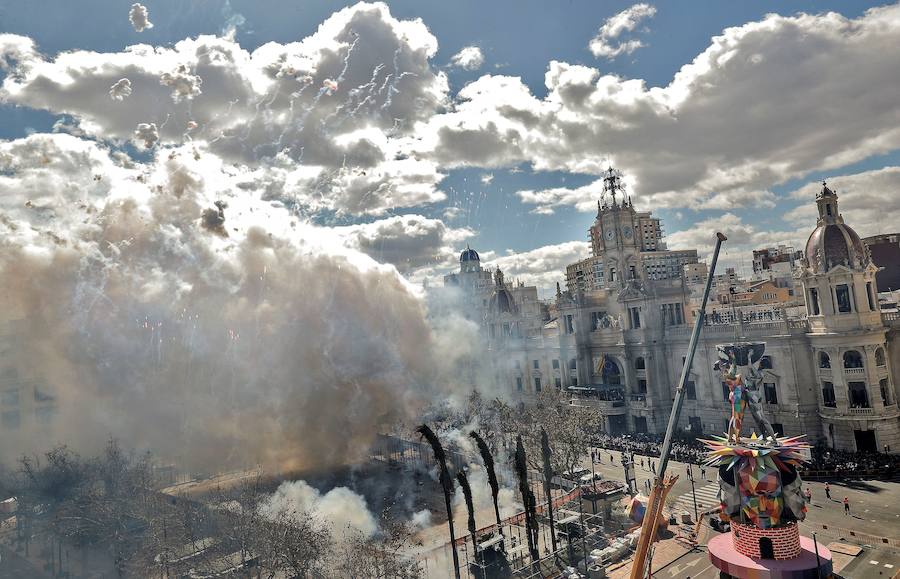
column 488, row 461
column 527, row 499
column 548, row 476
column 470, row 506
column 446, row 483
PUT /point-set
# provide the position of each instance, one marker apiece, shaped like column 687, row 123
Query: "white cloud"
column 869, row 201
column 469, row 58
column 766, row 102
column 340, row 103
column 543, row 266
column 607, row 44
column 743, row 237
column 139, row 17
column 407, row 241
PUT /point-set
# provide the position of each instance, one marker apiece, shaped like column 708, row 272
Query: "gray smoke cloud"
column 120, row 90
column 277, row 344
column 139, row 17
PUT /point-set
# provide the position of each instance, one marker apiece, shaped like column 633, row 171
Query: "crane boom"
column 662, row 485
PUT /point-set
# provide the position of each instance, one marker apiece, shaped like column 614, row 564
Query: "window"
column 824, row 360
column 537, row 384
column 859, row 398
column 612, row 274
column 519, row 383
column 770, row 392
column 635, row 315
column 555, row 363
column 9, row 397
column 695, row 424
column 852, row 359
column 870, row 295
column 536, row 364
column 639, row 363
column 573, row 365
column 569, row 324
column 828, row 395
column 518, row 365
column 765, row 363
column 642, row 386
column 842, row 293
column 814, row 302
column 632, row 272
column 885, row 394
column 778, row 428
column 691, row 390
column 879, row 357
column 558, row 382
column 726, row 392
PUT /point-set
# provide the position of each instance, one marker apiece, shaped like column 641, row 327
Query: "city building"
column 885, row 250
column 618, row 336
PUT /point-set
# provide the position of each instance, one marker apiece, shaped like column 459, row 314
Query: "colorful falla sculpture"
column 759, row 487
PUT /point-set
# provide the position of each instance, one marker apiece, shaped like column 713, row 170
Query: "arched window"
column 824, row 360
column 639, row 363
column 852, row 359
column 765, row 363
column 879, row 357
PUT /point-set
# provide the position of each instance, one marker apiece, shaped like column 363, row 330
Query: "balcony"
column 861, row 411
column 640, row 374
column 825, row 372
column 861, row 372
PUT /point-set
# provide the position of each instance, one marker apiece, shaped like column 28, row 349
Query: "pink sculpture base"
column 725, row 558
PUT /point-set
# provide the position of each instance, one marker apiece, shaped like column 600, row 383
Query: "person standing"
column 703, row 473
column 828, row 491
column 808, row 495
column 642, row 464
column 846, row 506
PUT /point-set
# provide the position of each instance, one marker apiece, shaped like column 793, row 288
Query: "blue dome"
column 469, row 254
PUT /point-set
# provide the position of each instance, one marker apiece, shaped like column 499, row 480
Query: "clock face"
column 610, row 233
column 626, row 231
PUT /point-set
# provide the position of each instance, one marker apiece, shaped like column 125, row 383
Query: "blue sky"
column 518, row 39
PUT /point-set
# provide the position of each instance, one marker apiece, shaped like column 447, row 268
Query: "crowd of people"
column 690, row 450
column 829, row 459
column 684, row 449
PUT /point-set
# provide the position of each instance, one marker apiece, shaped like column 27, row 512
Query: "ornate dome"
column 468, row 254
column 832, row 242
column 502, row 301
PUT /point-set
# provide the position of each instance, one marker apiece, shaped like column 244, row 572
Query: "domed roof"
column 833, row 242
column 469, row 254
column 502, row 301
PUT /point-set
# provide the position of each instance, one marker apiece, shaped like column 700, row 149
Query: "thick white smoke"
column 342, row 508
column 253, row 337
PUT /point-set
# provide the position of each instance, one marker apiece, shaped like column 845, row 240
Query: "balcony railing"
column 825, row 372
column 855, row 371
column 641, row 374
column 861, row 411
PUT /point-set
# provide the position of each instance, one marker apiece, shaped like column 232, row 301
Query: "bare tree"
column 384, row 556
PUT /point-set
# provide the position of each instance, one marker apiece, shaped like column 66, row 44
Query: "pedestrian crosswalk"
column 706, row 498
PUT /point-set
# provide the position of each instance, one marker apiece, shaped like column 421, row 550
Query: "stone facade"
column 832, row 360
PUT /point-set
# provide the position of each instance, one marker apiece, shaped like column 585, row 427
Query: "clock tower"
column 615, row 235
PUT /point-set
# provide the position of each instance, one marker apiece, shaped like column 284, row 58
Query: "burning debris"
column 213, row 219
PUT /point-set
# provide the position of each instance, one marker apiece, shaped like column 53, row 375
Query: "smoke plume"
column 274, row 345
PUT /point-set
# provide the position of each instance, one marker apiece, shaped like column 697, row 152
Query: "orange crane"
column 662, row 484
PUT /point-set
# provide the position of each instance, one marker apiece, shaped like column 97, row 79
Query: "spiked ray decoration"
column 759, row 481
